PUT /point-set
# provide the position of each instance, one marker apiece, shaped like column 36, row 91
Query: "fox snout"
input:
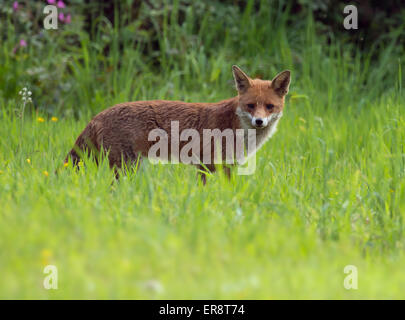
column 262, row 122
column 259, row 122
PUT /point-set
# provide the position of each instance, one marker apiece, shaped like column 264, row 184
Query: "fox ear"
column 242, row 81
column 281, row 83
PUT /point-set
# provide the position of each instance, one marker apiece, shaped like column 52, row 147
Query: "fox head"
column 260, row 101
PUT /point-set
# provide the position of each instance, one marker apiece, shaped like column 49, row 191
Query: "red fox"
column 124, row 130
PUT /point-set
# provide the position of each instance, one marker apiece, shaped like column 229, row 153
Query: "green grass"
column 328, row 190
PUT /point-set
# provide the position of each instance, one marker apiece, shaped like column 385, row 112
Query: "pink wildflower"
column 61, row 4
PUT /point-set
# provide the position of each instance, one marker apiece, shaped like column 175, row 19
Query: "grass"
column 328, row 191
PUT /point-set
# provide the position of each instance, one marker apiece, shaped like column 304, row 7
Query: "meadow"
column 328, row 190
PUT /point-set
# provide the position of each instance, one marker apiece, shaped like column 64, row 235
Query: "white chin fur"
column 266, row 131
column 246, row 117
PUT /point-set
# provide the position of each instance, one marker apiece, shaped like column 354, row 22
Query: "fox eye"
column 270, row 106
column 251, row 105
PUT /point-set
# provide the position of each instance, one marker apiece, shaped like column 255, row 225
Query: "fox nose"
column 259, row 122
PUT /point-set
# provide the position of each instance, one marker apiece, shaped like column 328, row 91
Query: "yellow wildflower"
column 28, row 161
column 54, row 119
column 66, row 164
column 46, row 174
column 46, row 255
column 40, row 119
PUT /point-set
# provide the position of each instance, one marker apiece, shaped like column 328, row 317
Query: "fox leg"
column 203, row 177
column 227, row 171
column 202, row 172
column 73, row 155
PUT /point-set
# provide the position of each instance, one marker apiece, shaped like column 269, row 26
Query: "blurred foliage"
column 70, row 68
